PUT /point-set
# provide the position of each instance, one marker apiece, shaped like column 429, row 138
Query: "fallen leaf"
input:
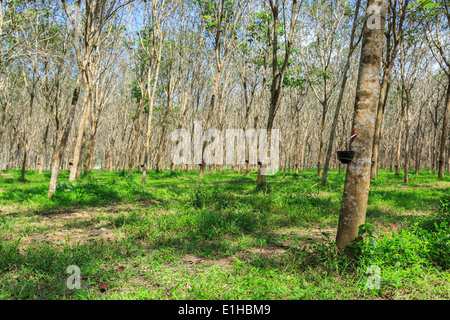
column 103, row 287
column 195, row 260
column 120, row 269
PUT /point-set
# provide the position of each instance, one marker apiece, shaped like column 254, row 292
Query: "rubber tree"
column 59, row 150
column 434, row 17
column 397, row 14
column 259, row 33
column 353, row 45
column 222, row 20
column 357, row 181
column 86, row 38
column 31, row 74
column 158, row 53
column 322, row 58
column 278, row 71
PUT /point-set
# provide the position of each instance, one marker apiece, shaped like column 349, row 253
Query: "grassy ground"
column 223, row 238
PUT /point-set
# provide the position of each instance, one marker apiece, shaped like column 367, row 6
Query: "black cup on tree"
column 346, row 156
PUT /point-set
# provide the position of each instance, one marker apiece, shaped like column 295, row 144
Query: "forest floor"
column 220, row 238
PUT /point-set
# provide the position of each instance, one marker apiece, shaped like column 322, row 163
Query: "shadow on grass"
column 388, row 216
column 40, row 272
column 202, row 246
column 83, row 194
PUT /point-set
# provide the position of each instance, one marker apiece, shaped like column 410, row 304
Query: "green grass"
column 270, row 242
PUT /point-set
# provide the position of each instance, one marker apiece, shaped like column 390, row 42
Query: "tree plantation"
column 224, row 149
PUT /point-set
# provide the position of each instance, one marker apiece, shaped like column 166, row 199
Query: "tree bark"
column 385, row 84
column 341, row 96
column 81, row 129
column 400, row 133
column 394, row 37
column 407, row 123
column 305, row 137
column 444, row 135
column 357, row 182
column 277, row 72
column 59, row 151
column 151, row 102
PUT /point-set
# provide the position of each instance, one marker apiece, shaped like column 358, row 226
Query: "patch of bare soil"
column 64, row 236
column 310, row 234
column 228, row 262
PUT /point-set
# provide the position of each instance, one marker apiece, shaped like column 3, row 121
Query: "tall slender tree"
column 357, row 182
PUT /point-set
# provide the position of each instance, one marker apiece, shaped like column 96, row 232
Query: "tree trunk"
column 59, row 151
column 357, row 182
column 385, row 84
column 258, row 108
column 305, row 137
column 399, row 140
column 90, row 155
column 79, row 140
column 210, row 115
column 43, row 152
column 444, row 135
column 151, row 102
column 340, row 98
column 26, row 144
column 277, row 74
column 406, row 152
column 321, row 133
